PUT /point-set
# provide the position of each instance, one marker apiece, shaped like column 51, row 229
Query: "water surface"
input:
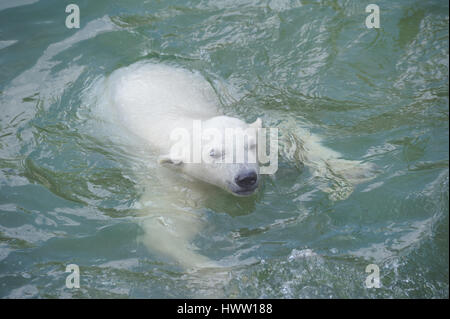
column 378, row 95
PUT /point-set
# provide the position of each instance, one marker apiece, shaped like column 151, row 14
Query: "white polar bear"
column 152, row 101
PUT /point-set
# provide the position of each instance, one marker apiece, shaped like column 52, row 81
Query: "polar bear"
column 157, row 101
column 154, row 101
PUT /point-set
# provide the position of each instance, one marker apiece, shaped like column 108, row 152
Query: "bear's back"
column 152, row 99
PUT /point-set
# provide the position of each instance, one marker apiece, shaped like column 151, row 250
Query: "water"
column 67, row 195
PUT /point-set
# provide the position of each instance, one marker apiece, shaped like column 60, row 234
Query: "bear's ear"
column 167, row 160
column 257, row 123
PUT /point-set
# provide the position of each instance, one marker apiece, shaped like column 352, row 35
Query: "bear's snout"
column 246, row 179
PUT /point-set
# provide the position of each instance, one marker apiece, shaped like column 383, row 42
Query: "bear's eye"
column 251, row 143
column 215, row 153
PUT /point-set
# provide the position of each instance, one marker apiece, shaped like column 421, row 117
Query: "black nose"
column 246, row 179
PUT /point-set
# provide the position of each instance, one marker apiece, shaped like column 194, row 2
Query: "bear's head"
column 221, row 151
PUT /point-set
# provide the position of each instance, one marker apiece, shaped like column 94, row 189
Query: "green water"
column 378, row 95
